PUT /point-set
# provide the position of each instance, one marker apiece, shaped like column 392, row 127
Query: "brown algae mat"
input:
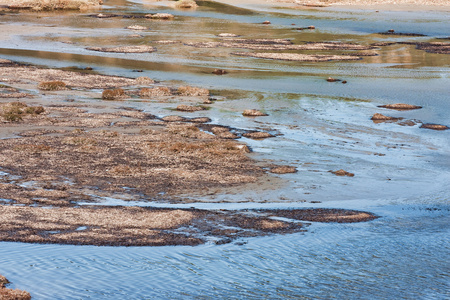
column 10, row 294
column 138, row 226
column 51, row 4
column 125, row 49
column 297, row 57
column 276, row 45
column 56, row 154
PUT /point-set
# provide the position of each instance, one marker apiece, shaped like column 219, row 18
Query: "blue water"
column 402, row 173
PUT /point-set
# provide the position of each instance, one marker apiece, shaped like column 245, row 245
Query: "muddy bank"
column 138, row 226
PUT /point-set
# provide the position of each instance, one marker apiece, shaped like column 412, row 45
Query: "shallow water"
column 397, row 257
column 402, row 173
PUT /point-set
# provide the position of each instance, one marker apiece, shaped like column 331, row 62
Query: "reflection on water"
column 402, row 172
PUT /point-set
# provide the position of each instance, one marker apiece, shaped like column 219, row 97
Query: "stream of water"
column 402, row 173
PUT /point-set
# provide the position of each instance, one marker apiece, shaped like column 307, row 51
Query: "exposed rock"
column 378, row 118
column 253, row 113
column 113, row 94
column 137, row 27
column 258, row 135
column 242, row 148
column 189, row 108
column 342, row 172
column 223, row 132
column 104, row 16
column 14, row 95
column 283, row 170
column 55, row 85
column 173, row 119
column 434, row 126
column 200, row 120
column 227, row 35
column 160, row 16
column 400, row 106
column 10, row 294
column 125, row 49
column 159, row 91
column 144, row 80
column 266, row 22
column 219, row 72
column 192, row 91
column 325, row 215
column 166, row 42
column 186, row 4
